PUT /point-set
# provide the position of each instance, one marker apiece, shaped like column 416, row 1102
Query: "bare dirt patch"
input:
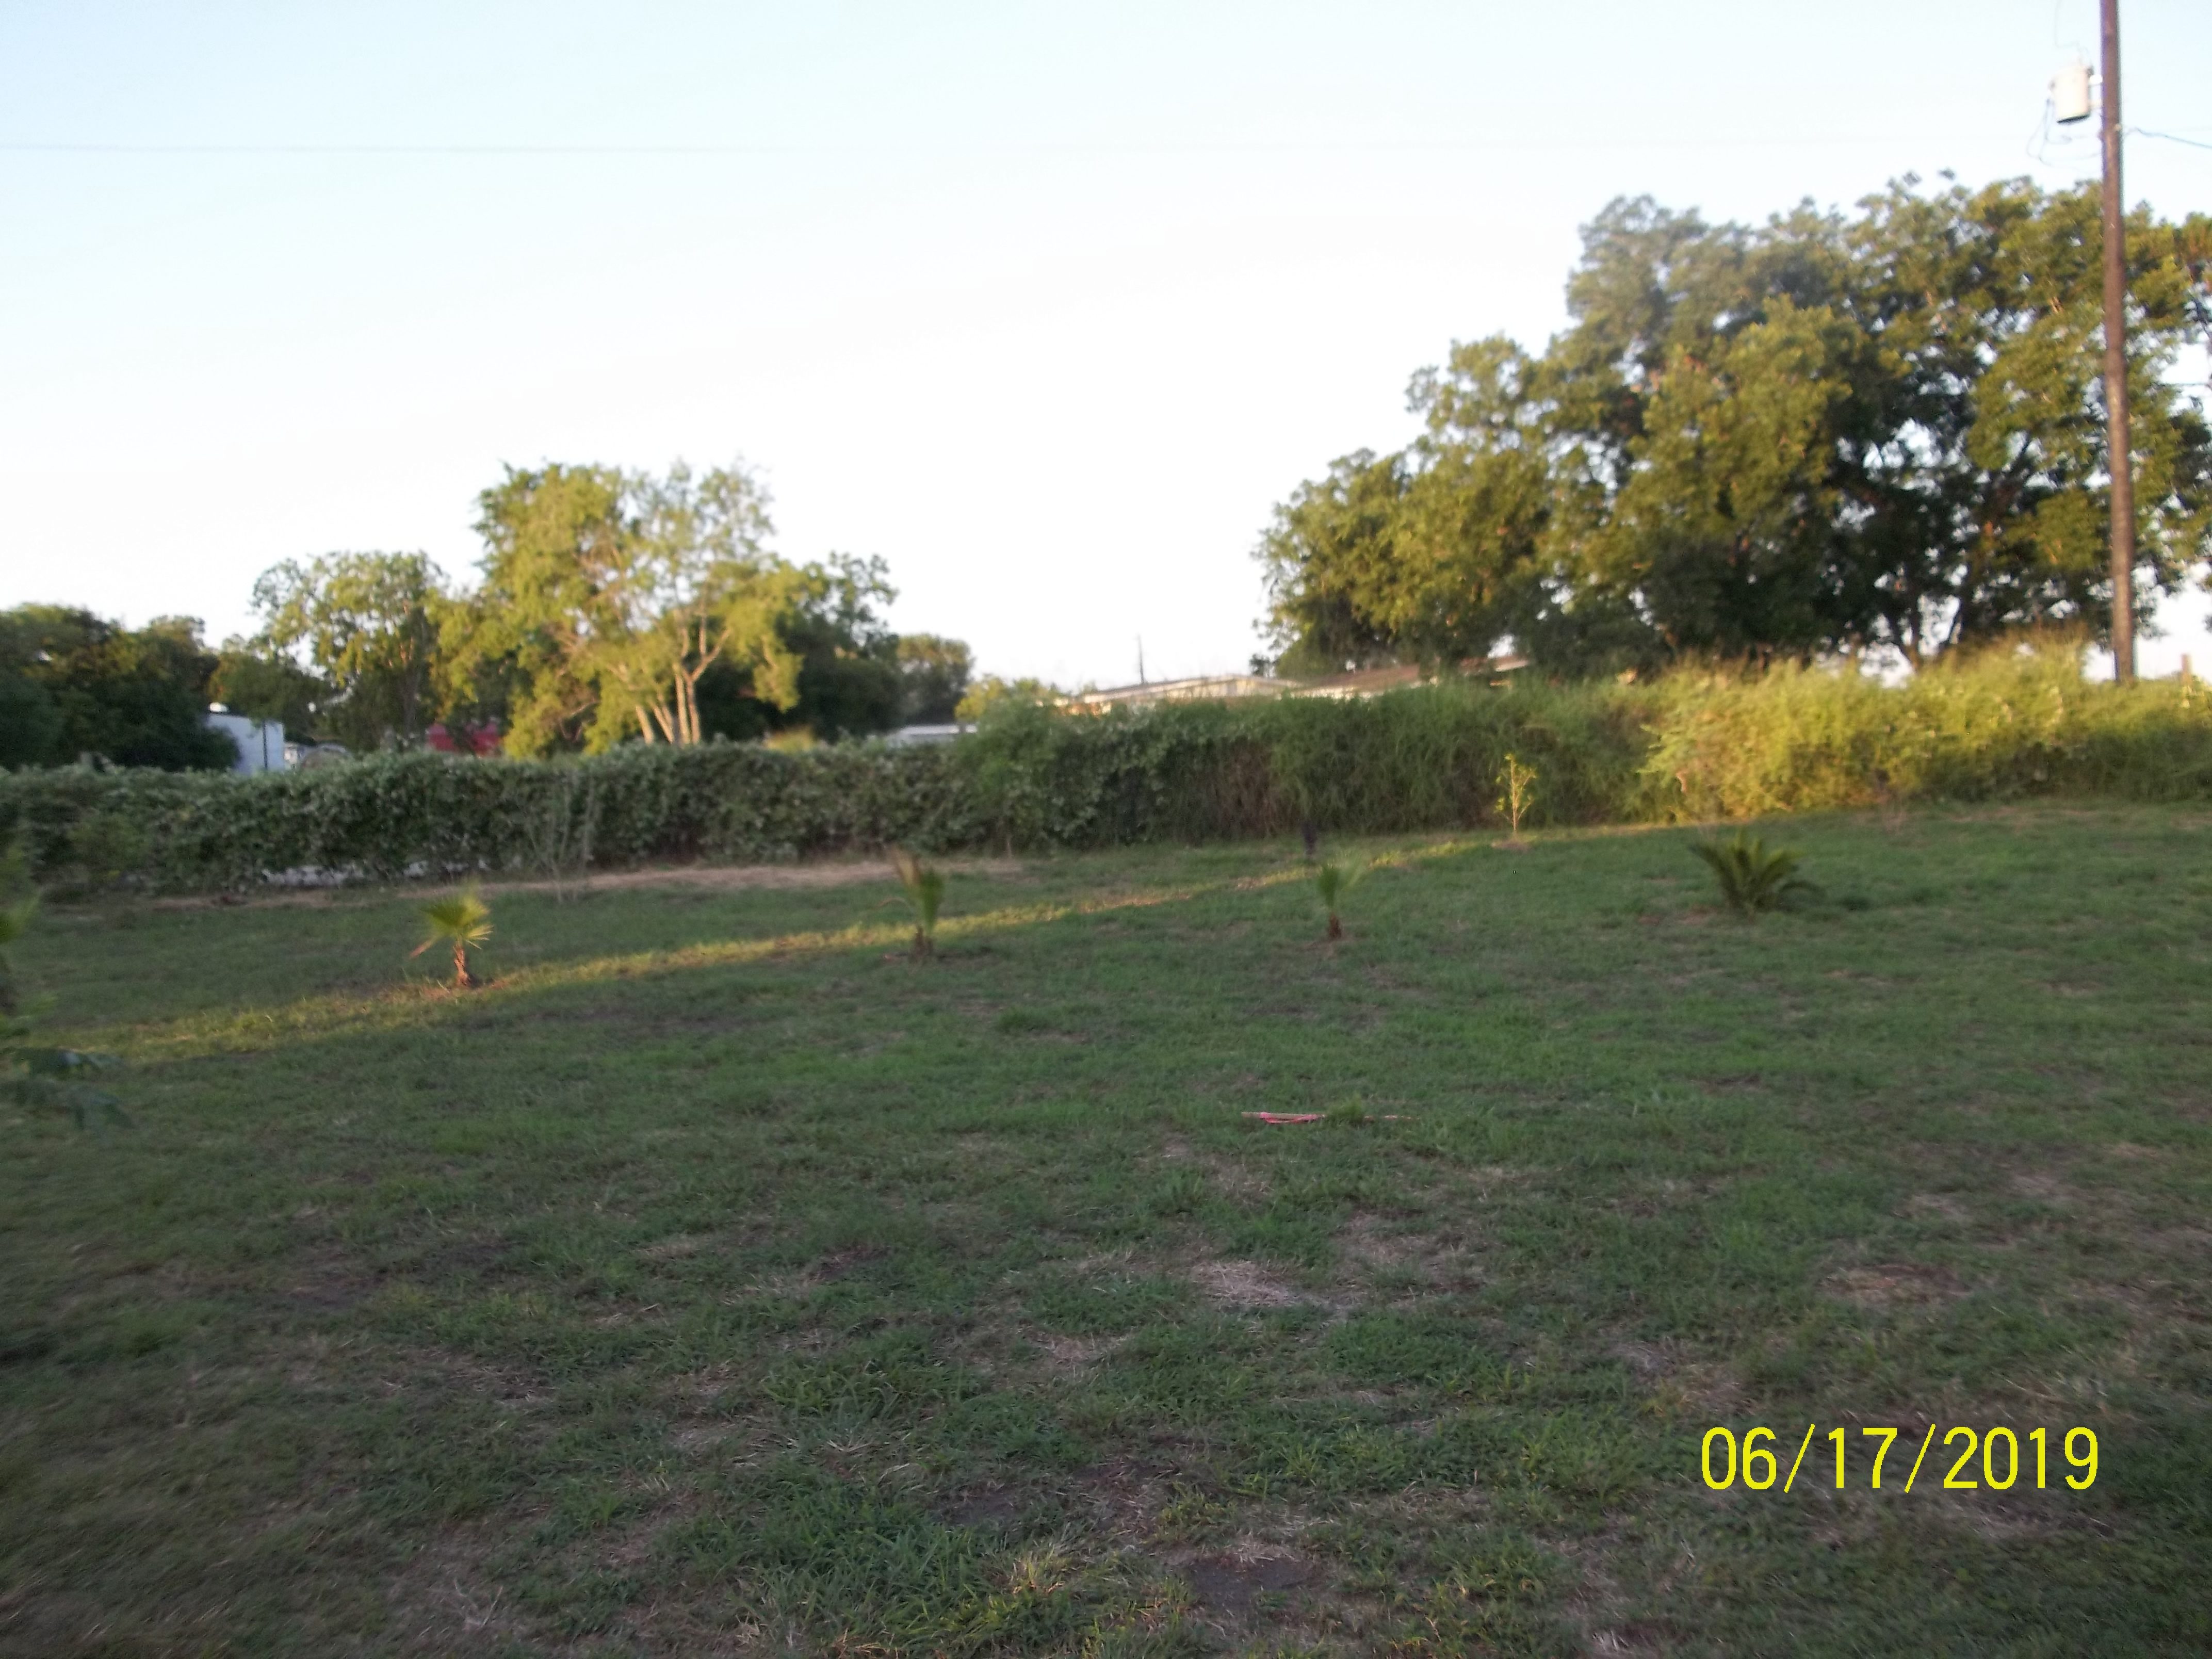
column 1121, row 1497
column 1426, row 1256
column 838, row 1263
column 738, row 877
column 1651, row 1361
column 989, row 1506
column 2046, row 1189
column 1070, row 1353
column 712, row 877
column 1229, row 1584
column 276, row 898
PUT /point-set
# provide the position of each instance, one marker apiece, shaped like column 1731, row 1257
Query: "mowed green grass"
column 720, row 1280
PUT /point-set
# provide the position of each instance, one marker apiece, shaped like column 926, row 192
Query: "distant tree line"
column 72, row 685
column 610, row 607
column 1829, row 433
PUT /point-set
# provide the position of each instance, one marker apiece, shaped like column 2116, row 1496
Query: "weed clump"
column 1519, row 783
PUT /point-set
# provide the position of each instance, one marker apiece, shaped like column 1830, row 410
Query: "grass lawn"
column 720, row 1280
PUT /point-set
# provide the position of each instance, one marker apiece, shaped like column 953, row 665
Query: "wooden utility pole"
column 2117, row 452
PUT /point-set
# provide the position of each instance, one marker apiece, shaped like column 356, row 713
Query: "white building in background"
column 915, row 737
column 260, row 743
column 1354, row 684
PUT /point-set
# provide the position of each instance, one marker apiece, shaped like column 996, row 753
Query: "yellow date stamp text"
column 1986, row 1460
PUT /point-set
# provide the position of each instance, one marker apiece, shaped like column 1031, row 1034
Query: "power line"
column 1852, row 140
column 2170, row 137
column 398, row 149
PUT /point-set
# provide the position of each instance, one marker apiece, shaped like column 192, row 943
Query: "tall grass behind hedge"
column 1432, row 757
column 2004, row 725
column 1428, row 757
column 1693, row 747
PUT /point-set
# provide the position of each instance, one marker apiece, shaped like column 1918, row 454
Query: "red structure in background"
column 464, row 740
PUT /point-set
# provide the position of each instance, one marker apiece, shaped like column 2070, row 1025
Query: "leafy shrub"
column 107, row 847
column 386, row 816
column 56, row 1080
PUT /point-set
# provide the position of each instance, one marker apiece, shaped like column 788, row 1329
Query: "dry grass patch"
column 1895, row 1284
column 447, row 1601
column 1249, row 1284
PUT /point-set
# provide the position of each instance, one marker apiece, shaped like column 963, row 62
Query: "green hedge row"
column 390, row 816
column 1691, row 747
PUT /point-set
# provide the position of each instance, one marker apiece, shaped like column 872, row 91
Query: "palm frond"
column 924, row 889
column 464, row 919
column 464, row 922
column 54, row 1079
column 1333, row 881
column 1752, row 878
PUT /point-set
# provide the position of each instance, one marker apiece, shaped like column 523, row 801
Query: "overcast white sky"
column 1046, row 305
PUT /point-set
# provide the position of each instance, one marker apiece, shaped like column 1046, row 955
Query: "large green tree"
column 1830, row 432
column 933, row 675
column 271, row 685
column 608, row 598
column 368, row 625
column 556, row 539
column 697, row 590
column 72, row 685
column 849, row 674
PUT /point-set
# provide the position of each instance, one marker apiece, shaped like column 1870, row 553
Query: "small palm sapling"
column 1333, row 881
column 463, row 921
column 924, row 889
column 1752, row 880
